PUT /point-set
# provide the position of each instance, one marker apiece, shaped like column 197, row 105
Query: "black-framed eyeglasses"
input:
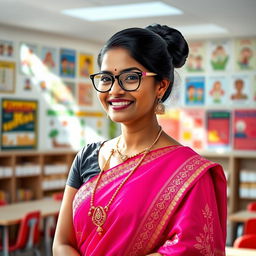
column 128, row 81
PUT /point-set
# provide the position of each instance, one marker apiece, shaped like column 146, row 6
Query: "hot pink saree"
column 174, row 204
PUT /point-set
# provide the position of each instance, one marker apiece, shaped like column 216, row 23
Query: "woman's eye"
column 105, row 79
column 131, row 78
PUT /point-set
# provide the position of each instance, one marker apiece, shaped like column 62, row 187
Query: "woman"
column 141, row 193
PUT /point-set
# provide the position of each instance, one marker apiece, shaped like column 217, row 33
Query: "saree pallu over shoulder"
column 138, row 219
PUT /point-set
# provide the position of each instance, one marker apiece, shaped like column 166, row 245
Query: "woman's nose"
column 116, row 88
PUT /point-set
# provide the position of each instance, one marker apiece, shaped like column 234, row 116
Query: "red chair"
column 28, row 234
column 58, row 196
column 3, row 202
column 251, row 206
column 250, row 226
column 246, row 241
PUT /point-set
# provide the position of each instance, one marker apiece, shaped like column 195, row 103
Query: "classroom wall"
column 67, row 114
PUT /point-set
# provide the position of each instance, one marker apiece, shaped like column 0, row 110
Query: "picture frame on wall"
column 7, row 49
column 67, row 63
column 19, row 128
column 86, row 64
column 7, row 76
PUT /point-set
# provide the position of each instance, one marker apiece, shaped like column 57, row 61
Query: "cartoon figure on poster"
column 85, row 65
column 67, row 63
column 28, row 58
column 196, row 61
column 195, row 90
column 240, row 91
column 245, row 55
column 49, row 58
column 219, row 55
column 216, row 93
column 6, row 49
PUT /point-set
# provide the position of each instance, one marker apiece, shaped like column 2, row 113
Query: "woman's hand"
column 154, row 254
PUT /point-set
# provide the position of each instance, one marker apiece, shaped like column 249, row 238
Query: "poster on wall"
column 219, row 55
column 217, row 90
column 245, row 50
column 192, row 128
column 67, row 63
column 7, row 77
column 50, row 59
column 85, row 94
column 86, row 65
column 170, row 122
column 240, row 90
column 254, row 89
column 70, row 129
column 6, row 49
column 244, row 129
column 29, row 59
column 195, row 91
column 196, row 59
column 19, row 124
column 218, row 128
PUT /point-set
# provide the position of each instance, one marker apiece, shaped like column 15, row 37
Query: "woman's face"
column 128, row 107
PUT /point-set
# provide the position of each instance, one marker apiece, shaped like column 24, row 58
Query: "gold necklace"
column 124, row 157
column 99, row 213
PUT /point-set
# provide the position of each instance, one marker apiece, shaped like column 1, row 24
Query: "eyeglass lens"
column 129, row 81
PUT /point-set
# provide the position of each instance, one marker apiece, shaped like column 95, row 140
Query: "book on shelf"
column 6, row 171
column 4, row 196
column 24, row 194
column 27, row 169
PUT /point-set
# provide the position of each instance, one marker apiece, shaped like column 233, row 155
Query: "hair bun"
column 176, row 43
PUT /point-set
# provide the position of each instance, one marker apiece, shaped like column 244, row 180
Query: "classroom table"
column 237, row 218
column 231, row 251
column 13, row 213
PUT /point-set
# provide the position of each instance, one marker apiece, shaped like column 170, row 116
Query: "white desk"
column 13, row 213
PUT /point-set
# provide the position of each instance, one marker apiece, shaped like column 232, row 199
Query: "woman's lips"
column 120, row 104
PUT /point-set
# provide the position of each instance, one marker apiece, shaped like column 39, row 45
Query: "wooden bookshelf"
column 29, row 175
column 51, row 169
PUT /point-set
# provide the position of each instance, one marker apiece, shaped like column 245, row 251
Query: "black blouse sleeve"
column 85, row 165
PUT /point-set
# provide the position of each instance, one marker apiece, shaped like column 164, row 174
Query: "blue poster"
column 195, row 91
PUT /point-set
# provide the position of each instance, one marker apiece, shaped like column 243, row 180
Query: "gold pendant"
column 98, row 218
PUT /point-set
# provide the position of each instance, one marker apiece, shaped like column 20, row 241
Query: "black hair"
column 158, row 48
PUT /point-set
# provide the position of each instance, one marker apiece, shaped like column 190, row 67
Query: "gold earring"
column 160, row 108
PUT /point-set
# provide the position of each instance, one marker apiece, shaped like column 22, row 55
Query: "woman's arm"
column 64, row 242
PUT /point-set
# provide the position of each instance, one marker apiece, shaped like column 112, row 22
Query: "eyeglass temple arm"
column 148, row 74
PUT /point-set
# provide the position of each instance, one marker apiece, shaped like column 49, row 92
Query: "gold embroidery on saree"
column 205, row 238
column 154, row 222
column 116, row 172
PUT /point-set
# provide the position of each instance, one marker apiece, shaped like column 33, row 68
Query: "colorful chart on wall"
column 196, row 61
column 218, row 125
column 245, row 51
column 86, row 64
column 240, row 92
column 244, row 129
column 69, row 129
column 170, row 122
column 192, row 128
column 7, row 49
column 219, row 55
column 195, row 91
column 19, row 124
column 217, row 90
column 67, row 63
column 7, row 77
column 49, row 59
